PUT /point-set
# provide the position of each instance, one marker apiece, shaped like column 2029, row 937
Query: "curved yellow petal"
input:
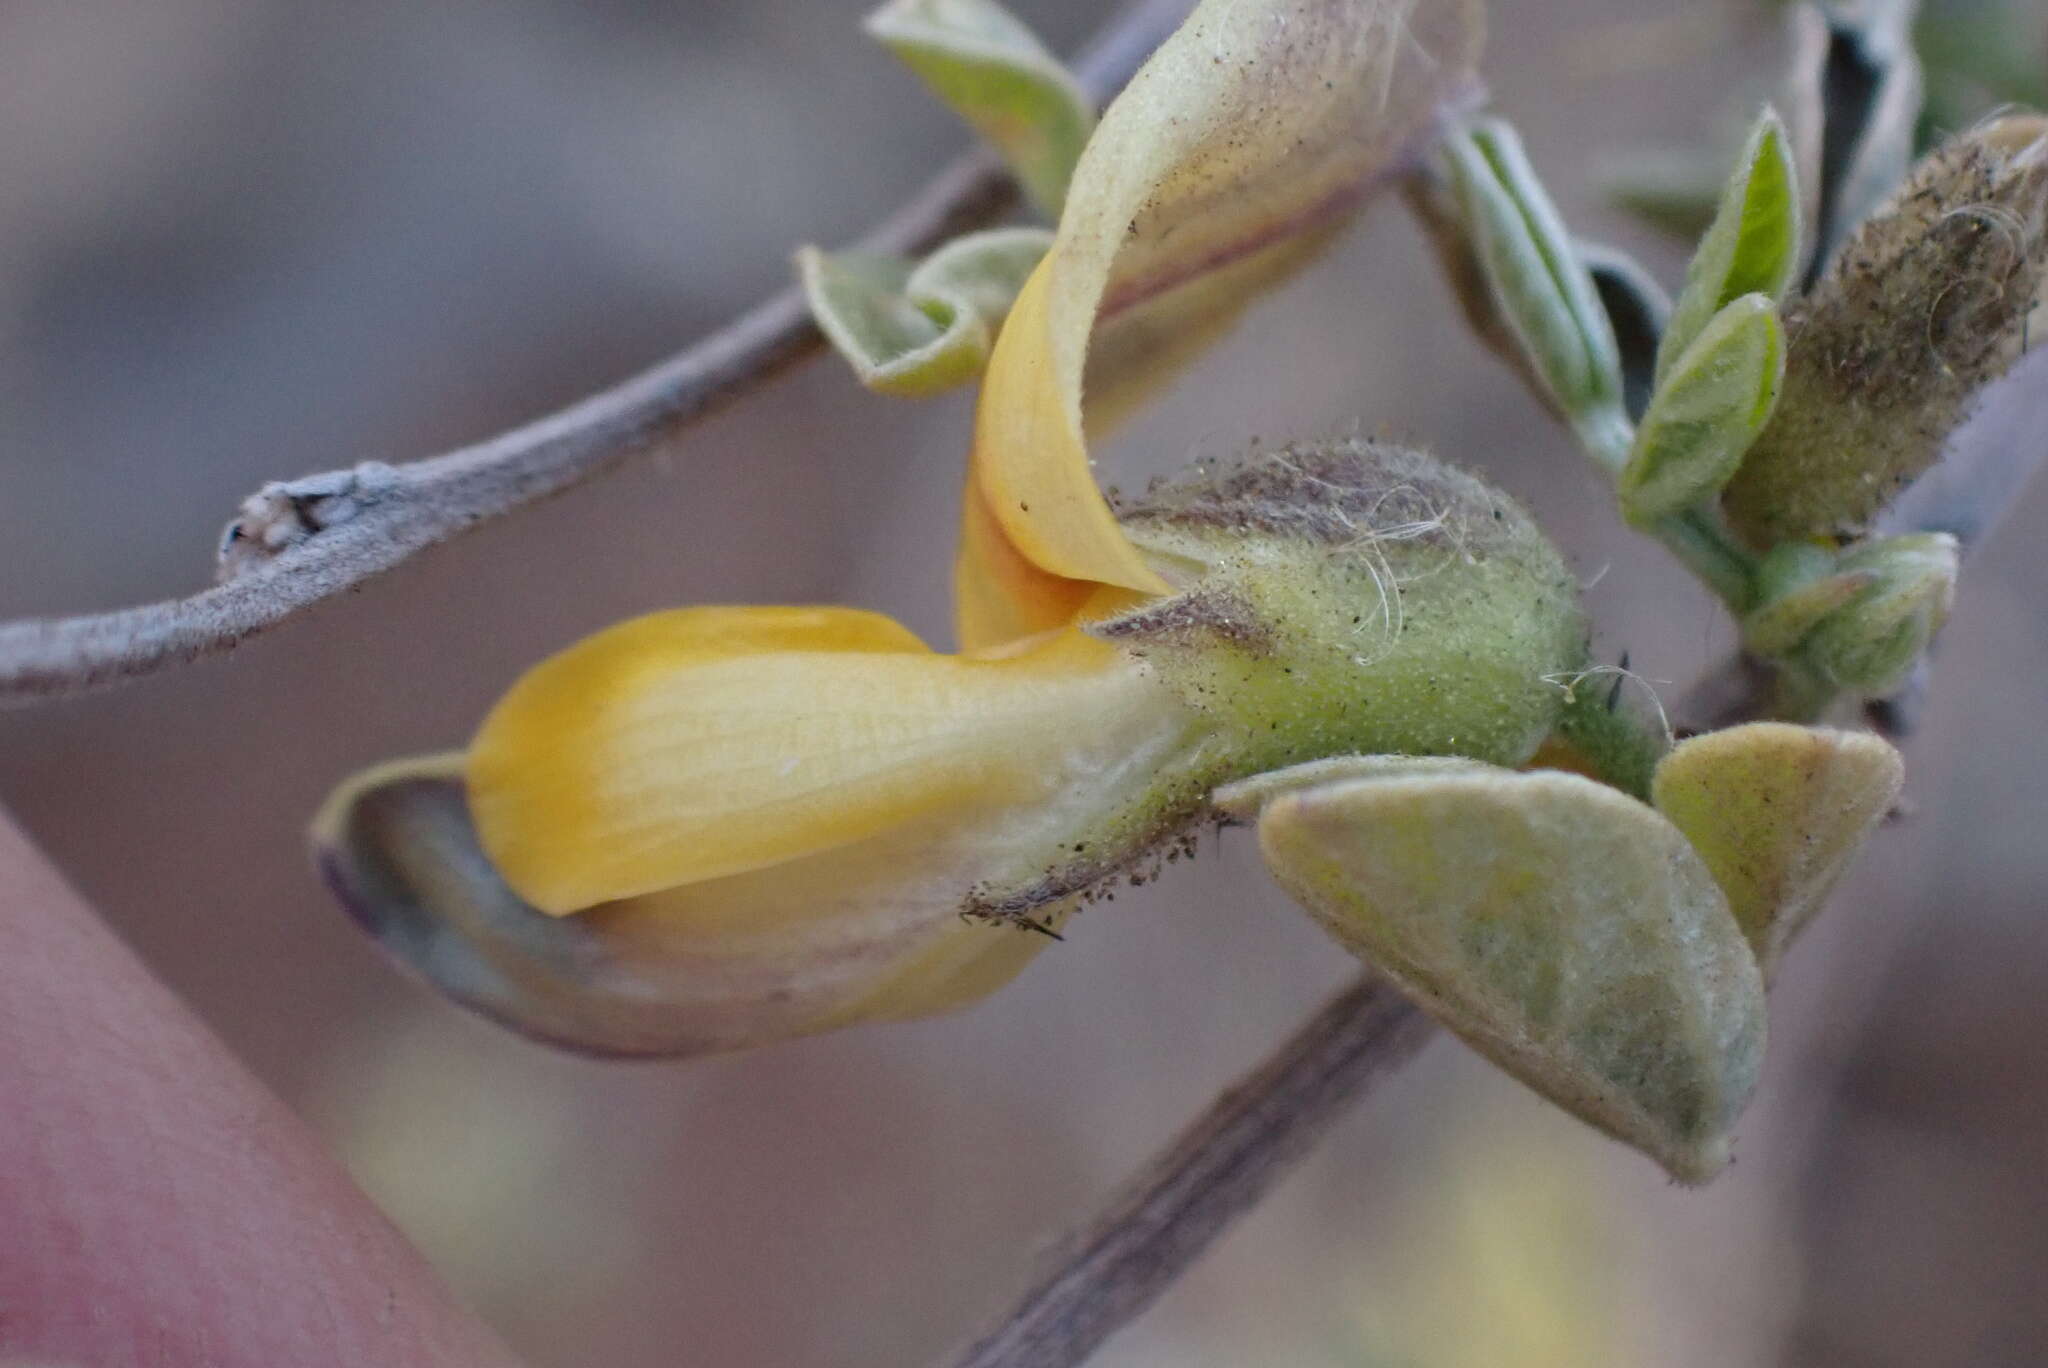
column 1257, row 123
column 998, row 595
column 865, row 932
column 707, row 742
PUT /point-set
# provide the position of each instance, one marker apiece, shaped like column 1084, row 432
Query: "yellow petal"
column 1257, row 122
column 866, row 932
column 1777, row 812
column 998, row 595
column 707, row 742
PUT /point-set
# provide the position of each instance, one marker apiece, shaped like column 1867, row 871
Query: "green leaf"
column 1565, row 931
column 1777, row 812
column 1706, row 412
column 1777, row 626
column 914, row 332
column 978, row 58
column 1872, row 642
column 983, row 271
column 1541, row 287
column 1752, row 246
column 1246, row 799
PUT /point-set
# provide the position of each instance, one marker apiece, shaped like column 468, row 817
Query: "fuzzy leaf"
column 1246, row 799
column 1541, row 287
column 1777, row 812
column 915, row 332
column 1777, row 626
column 983, row 271
column 1564, row 930
column 993, row 71
column 896, row 345
column 1705, row 412
column 1752, row 246
column 1871, row 642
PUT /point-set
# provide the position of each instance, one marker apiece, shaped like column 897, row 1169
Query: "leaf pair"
column 1722, row 357
column 1610, row 953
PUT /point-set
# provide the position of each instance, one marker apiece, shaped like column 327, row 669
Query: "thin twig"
column 395, row 513
column 1188, row 1195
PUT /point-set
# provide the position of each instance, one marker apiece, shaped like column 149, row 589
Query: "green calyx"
column 1355, row 597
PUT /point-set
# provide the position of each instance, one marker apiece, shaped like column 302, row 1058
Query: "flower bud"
column 1871, row 643
column 1925, row 305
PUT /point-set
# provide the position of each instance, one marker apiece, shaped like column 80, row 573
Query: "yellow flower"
column 798, row 805
column 717, row 827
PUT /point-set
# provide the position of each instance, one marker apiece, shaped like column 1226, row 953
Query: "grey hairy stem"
column 394, row 513
column 1167, row 1216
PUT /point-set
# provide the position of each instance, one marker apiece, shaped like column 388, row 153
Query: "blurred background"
column 247, row 239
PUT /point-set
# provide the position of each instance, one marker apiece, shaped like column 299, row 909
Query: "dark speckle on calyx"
column 1200, row 615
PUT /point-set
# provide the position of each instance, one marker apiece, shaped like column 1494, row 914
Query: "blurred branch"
column 1167, row 1216
column 349, row 526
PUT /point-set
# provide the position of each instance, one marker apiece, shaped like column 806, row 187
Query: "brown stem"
column 1221, row 1165
column 421, row 504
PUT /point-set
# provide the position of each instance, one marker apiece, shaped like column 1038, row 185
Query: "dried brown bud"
column 1925, row 305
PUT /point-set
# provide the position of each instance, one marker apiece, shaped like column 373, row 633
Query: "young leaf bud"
column 1540, row 286
column 1706, row 411
column 1798, row 587
column 1870, row 644
column 1752, row 247
column 1922, row 308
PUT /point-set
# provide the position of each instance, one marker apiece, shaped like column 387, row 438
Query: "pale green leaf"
column 1752, row 246
column 1870, row 643
column 1777, row 626
column 983, row 271
column 1563, row 929
column 913, row 332
column 1706, row 412
column 994, row 72
column 1541, row 288
column 1777, row 812
column 1244, row 800
column 894, row 344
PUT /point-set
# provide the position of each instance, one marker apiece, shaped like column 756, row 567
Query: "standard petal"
column 1565, row 930
column 707, row 742
column 1260, row 122
column 866, row 932
column 1777, row 812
